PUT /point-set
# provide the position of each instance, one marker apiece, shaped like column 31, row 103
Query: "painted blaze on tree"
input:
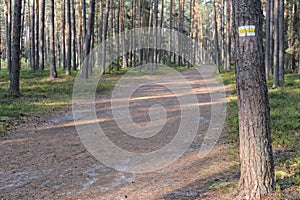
column 257, row 165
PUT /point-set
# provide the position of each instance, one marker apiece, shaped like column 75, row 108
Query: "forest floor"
column 44, row 158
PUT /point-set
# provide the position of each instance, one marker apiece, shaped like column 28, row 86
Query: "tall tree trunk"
column 32, row 34
column 63, row 29
column 69, row 39
column 0, row 43
column 161, row 30
column 88, row 38
column 222, row 42
column 122, row 29
column 53, row 72
column 8, row 33
column 257, row 165
column 37, row 19
column 105, row 30
column 276, row 44
column 132, row 36
column 171, row 35
column 42, row 36
column 281, row 41
column 228, row 35
column 74, row 34
column 216, row 38
column 16, row 51
column 84, row 17
column 267, row 47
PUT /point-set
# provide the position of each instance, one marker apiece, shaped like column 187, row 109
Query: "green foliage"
column 40, row 95
column 285, row 128
column 222, row 186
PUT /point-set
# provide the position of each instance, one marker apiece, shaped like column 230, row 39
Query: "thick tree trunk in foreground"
column 16, row 51
column 257, row 165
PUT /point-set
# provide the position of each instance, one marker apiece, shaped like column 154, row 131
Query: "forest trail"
column 49, row 161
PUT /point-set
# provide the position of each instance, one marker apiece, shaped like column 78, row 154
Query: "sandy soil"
column 47, row 160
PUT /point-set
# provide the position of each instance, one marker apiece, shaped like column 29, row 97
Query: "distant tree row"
column 62, row 33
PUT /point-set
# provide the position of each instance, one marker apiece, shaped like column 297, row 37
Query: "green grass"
column 40, row 95
column 285, row 128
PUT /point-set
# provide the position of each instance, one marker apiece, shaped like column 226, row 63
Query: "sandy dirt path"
column 49, row 161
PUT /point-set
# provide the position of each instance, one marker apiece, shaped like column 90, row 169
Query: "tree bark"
column 276, row 44
column 216, row 38
column 105, row 30
column 281, row 41
column 74, row 35
column 63, row 29
column 268, row 35
column 53, row 72
column 37, row 19
column 171, row 35
column 32, row 36
column 257, row 165
column 16, row 51
column 88, row 37
column 228, row 35
column 69, row 39
column 122, row 29
column 8, row 33
column 42, row 36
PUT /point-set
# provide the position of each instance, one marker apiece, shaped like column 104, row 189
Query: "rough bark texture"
column 16, row 51
column 53, row 73
column 257, row 165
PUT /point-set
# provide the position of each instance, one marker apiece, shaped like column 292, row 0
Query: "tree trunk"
column 37, row 50
column 32, row 36
column 257, row 165
column 222, row 42
column 228, row 35
column 8, row 33
column 276, row 44
column 53, row 73
column 74, row 35
column 84, row 17
column 105, row 30
column 122, row 29
column 42, row 36
column 88, row 37
column 171, row 35
column 268, row 35
column 69, row 39
column 216, row 38
column 63, row 29
column 281, row 41
column 16, row 51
